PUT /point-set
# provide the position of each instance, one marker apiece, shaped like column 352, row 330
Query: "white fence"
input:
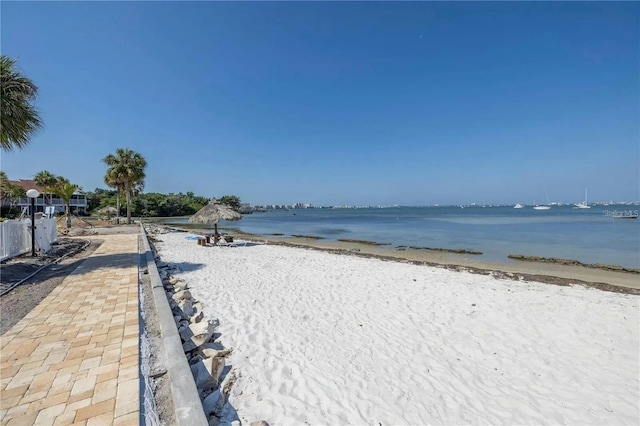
column 15, row 236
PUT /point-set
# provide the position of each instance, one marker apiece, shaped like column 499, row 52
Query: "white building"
column 78, row 202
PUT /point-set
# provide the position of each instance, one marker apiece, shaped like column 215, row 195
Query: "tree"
column 231, row 200
column 10, row 191
column 100, row 198
column 47, row 181
column 111, row 180
column 126, row 168
column 4, row 183
column 19, row 119
column 65, row 189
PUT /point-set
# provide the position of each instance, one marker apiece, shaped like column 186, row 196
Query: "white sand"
column 327, row 339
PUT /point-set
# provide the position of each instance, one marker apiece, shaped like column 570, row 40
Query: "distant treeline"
column 154, row 204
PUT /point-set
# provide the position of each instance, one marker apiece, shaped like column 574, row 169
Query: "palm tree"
column 19, row 120
column 126, row 168
column 4, row 183
column 65, row 189
column 112, row 182
column 47, row 181
column 10, row 191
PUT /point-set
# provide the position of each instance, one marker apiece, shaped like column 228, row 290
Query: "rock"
column 201, row 375
column 259, row 423
column 228, row 382
column 182, row 295
column 229, row 416
column 195, row 358
column 213, row 404
column 180, row 285
column 177, row 312
column 197, row 317
column 206, row 372
column 186, row 308
column 185, row 334
column 173, row 280
column 217, row 368
column 201, row 332
column 209, row 351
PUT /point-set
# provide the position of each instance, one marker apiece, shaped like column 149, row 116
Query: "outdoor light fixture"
column 33, row 194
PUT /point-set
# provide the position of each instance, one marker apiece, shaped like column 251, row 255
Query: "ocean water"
column 587, row 235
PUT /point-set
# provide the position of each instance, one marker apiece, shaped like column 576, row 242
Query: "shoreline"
column 521, row 270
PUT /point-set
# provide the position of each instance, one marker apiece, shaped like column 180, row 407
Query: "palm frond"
column 19, row 119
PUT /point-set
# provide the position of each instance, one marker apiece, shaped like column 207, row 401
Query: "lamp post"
column 33, row 194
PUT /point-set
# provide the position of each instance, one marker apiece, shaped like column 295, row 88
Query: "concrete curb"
column 188, row 407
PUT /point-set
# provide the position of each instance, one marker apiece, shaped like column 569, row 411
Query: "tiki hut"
column 213, row 213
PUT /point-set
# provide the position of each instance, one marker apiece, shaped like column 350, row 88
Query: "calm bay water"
column 583, row 234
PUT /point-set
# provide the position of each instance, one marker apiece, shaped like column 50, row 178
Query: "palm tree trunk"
column 127, row 193
column 68, row 207
column 118, row 205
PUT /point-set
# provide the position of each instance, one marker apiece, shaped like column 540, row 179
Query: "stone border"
column 187, row 404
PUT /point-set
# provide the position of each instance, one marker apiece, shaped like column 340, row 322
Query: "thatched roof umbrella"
column 213, row 212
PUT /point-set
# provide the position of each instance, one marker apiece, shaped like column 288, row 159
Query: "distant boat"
column 584, row 204
column 518, row 206
column 543, row 206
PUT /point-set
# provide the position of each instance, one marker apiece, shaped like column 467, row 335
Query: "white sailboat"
column 518, row 206
column 584, row 204
column 543, row 206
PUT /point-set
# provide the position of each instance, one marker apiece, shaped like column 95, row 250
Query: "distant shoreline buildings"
column 248, row 208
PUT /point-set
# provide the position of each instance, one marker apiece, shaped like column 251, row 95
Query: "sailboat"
column 584, row 204
column 543, row 206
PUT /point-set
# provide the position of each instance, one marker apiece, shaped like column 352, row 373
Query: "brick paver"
column 74, row 358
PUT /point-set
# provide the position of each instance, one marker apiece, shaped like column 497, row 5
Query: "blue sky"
column 338, row 103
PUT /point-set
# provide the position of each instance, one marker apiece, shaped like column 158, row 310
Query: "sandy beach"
column 324, row 338
column 521, row 270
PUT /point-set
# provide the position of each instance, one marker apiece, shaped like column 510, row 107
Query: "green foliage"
column 231, row 200
column 12, row 193
column 19, row 119
column 100, row 198
column 151, row 204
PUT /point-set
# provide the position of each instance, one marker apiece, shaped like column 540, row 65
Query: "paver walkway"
column 74, row 358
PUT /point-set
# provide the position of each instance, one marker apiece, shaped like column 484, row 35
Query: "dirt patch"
column 99, row 230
